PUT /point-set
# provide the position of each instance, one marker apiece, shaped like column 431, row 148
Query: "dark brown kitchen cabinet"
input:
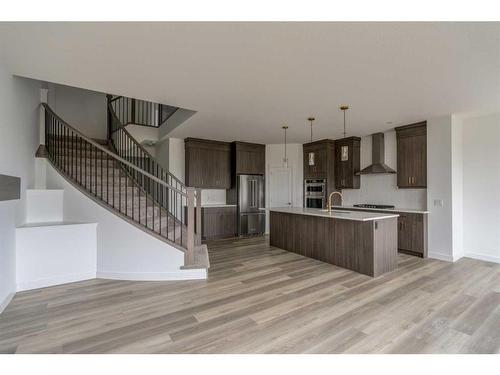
column 412, row 155
column 207, row 164
column 412, row 230
column 412, row 234
column 218, row 222
column 249, row 158
column 347, row 163
column 322, row 160
column 320, row 166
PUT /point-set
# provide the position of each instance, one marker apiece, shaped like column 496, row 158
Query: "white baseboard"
column 485, row 257
column 189, row 274
column 6, row 301
column 58, row 280
column 441, row 256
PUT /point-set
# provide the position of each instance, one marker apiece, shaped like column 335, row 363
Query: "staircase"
column 122, row 176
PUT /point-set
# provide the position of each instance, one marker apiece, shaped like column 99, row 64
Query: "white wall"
column 176, row 158
column 54, row 254
column 444, row 187
column 84, row 110
column 123, row 250
column 19, row 109
column 162, row 152
column 44, row 206
column 144, row 133
column 457, row 181
column 481, row 187
column 274, row 158
column 382, row 188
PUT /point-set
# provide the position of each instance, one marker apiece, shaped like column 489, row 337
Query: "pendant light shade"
column 285, row 158
column 344, row 150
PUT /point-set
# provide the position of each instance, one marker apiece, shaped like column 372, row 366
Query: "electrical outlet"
column 438, row 203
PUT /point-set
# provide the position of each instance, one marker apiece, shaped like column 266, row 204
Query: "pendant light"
column 311, row 154
column 344, row 150
column 285, row 159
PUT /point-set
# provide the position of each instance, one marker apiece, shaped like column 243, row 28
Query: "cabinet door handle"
column 409, row 180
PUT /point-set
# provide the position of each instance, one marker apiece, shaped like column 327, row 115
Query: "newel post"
column 43, row 99
column 198, row 217
column 189, row 255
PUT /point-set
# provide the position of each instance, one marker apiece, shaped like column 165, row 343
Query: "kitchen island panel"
column 368, row 247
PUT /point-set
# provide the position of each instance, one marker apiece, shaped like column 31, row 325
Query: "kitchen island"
column 365, row 242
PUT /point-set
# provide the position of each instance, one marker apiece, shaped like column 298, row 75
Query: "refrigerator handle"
column 254, row 193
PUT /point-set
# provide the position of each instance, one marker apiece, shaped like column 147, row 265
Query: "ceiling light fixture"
column 311, row 119
column 344, row 108
column 311, row 154
column 344, row 150
column 285, row 159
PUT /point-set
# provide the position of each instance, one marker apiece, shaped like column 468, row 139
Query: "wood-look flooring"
column 261, row 299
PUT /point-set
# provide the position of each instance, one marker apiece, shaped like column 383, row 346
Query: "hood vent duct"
column 378, row 165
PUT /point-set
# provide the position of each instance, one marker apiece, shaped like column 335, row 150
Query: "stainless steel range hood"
column 378, row 165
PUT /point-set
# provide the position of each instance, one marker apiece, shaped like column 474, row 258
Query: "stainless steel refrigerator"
column 251, row 205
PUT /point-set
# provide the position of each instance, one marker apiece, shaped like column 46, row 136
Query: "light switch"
column 438, row 203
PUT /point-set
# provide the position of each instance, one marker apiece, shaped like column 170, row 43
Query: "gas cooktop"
column 380, row 206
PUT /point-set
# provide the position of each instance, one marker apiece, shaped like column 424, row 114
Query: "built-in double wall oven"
column 315, row 193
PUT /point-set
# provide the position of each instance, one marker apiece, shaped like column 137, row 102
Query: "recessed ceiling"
column 246, row 80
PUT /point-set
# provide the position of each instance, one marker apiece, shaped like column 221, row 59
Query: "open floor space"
column 261, row 299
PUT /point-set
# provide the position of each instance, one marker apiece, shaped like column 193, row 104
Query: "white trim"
column 485, row 257
column 52, row 281
column 441, row 256
column 192, row 274
column 6, row 301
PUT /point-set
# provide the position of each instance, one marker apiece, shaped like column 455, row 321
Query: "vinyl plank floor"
column 261, row 299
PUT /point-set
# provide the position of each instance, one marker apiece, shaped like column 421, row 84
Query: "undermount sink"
column 336, row 211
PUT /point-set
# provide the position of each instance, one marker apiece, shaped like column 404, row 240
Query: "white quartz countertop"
column 335, row 214
column 209, row 205
column 396, row 209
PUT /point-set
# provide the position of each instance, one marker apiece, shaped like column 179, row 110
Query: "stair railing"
column 126, row 146
column 103, row 174
column 140, row 112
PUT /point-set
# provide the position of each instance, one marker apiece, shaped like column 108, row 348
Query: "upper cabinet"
column 412, row 155
column 347, row 163
column 318, row 159
column 249, row 158
column 208, row 164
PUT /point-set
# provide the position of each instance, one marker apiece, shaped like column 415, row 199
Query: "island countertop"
column 335, row 214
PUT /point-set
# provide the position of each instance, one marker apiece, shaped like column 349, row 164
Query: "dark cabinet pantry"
column 249, row 158
column 208, row 164
column 412, row 155
column 347, row 163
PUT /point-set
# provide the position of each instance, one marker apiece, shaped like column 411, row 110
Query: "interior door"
column 280, row 187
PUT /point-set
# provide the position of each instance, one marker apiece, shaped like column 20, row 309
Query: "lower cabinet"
column 412, row 234
column 218, row 222
column 412, row 231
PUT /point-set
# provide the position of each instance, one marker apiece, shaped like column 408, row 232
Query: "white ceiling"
column 247, row 79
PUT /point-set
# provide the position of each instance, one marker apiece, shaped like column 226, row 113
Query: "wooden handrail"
column 112, row 154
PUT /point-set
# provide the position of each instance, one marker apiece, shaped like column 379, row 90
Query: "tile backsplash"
column 382, row 188
column 213, row 196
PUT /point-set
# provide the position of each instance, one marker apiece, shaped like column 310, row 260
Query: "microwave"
column 315, row 193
